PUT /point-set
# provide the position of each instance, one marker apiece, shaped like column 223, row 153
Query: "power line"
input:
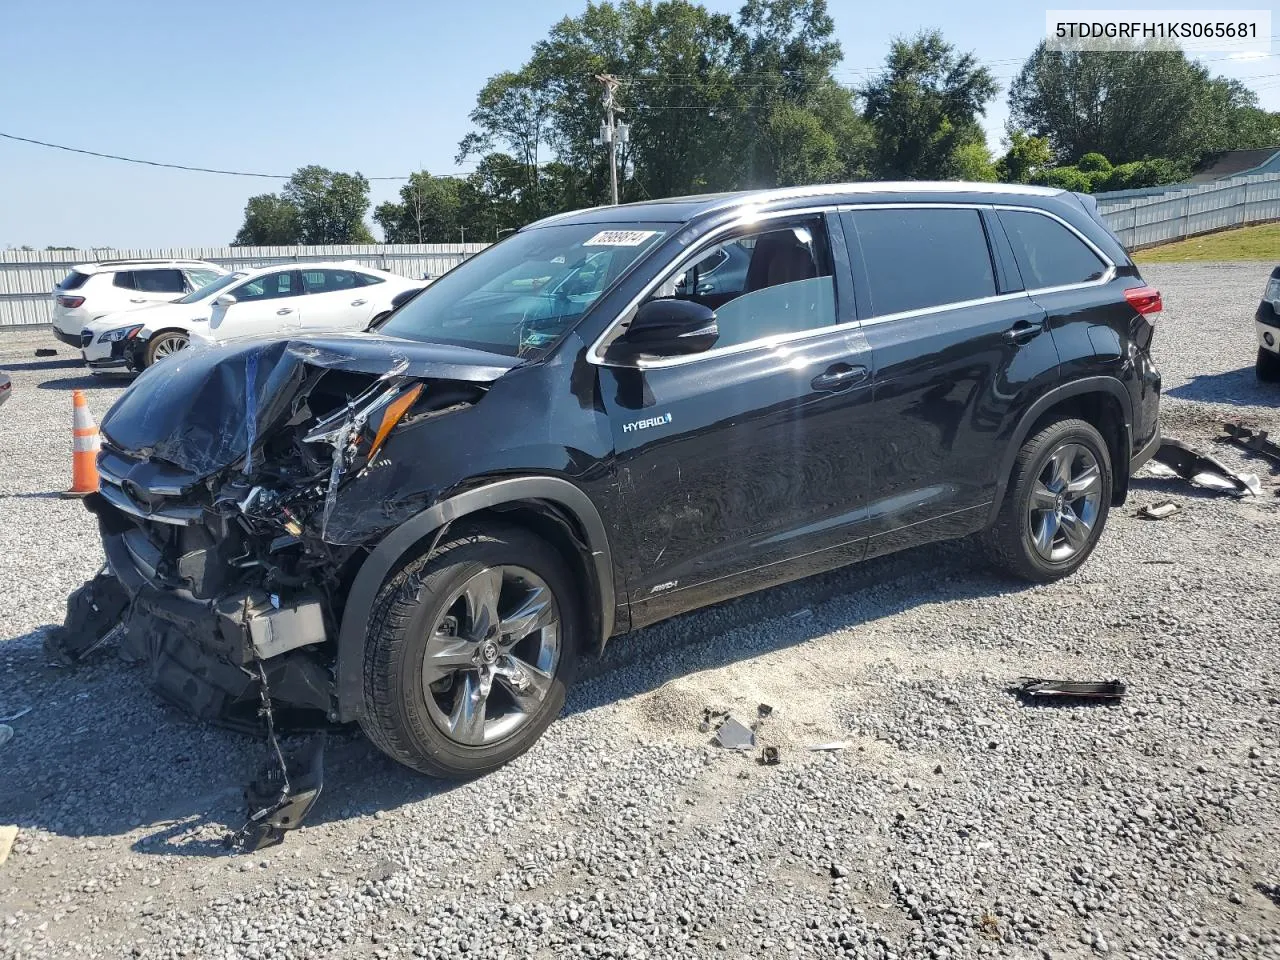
column 183, row 166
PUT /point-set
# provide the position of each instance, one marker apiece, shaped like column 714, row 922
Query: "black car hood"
column 204, row 408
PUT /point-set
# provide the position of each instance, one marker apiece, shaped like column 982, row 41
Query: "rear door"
column 153, row 285
column 269, row 303
column 335, row 300
column 743, row 466
column 960, row 351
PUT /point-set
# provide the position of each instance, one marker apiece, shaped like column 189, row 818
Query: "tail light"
column 70, row 301
column 1146, row 300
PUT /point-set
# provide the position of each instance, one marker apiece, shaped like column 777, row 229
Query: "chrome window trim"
column 748, row 218
column 596, row 354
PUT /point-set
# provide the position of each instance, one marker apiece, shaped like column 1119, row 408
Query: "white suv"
column 92, row 290
column 280, row 300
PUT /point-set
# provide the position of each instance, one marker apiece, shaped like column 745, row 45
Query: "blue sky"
column 382, row 87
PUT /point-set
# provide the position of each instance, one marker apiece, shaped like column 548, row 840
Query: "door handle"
column 841, row 376
column 358, row 303
column 283, row 310
column 1024, row 330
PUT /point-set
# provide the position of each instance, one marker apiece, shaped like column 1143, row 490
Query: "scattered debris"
column 46, row 352
column 770, row 757
column 94, row 613
column 1176, row 459
column 839, row 871
column 1035, row 688
column 734, row 736
column 6, row 733
column 938, row 768
column 764, row 710
column 711, row 719
column 1256, row 441
column 989, row 926
column 1158, row 511
column 1160, row 560
column 15, row 716
column 830, row 747
column 8, row 834
column 800, row 614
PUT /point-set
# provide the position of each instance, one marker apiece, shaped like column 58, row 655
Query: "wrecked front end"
column 241, row 487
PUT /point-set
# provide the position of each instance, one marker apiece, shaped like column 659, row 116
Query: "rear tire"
column 1056, row 504
column 429, row 650
column 164, row 343
column 1267, row 366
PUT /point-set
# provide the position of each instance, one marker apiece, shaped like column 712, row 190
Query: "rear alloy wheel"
column 1267, row 366
column 165, row 344
column 470, row 652
column 1056, row 504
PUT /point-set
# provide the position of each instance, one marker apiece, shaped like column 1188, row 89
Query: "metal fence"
column 27, row 277
column 1206, row 208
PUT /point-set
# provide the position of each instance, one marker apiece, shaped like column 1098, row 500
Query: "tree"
column 1131, row 105
column 798, row 148
column 1026, row 157
column 972, row 161
column 269, row 221
column 316, row 206
column 331, row 206
column 925, row 106
column 428, row 211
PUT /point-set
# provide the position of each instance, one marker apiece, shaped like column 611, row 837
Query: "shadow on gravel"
column 42, row 365
column 99, row 754
column 1236, row 387
column 86, row 382
column 39, row 495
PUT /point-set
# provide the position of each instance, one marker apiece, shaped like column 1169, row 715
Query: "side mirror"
column 225, row 300
column 666, row 328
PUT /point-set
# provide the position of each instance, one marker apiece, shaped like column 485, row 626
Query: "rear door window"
column 925, row 257
column 1049, row 254
column 124, row 280
column 327, row 281
column 159, row 281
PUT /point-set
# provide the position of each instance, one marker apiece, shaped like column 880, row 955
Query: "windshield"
column 211, row 289
column 522, row 295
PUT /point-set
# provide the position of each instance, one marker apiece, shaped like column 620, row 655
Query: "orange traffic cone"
column 84, row 455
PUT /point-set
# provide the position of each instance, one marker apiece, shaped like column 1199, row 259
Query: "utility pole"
column 464, row 234
column 610, row 131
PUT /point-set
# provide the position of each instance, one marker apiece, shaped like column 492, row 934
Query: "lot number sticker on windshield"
column 619, row 238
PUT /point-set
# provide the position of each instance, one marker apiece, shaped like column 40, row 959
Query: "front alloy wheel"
column 469, row 651
column 166, row 344
column 490, row 661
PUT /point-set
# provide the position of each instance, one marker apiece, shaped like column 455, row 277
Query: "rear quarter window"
column 73, row 280
column 1049, row 254
column 921, row 258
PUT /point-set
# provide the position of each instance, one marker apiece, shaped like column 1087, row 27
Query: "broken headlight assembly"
column 120, row 333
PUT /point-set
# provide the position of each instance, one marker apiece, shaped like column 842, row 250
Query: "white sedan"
column 283, row 299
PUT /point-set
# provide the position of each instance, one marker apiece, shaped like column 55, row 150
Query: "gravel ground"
column 956, row 823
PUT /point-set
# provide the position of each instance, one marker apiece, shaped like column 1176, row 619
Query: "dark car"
column 6, row 387
column 425, row 527
column 1267, row 320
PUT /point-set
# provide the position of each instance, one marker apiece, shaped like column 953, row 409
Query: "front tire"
column 470, row 652
column 1056, row 504
column 163, row 344
column 1267, row 366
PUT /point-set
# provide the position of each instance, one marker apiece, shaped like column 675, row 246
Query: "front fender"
column 394, row 547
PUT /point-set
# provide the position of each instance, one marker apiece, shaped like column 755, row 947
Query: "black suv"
column 574, row 434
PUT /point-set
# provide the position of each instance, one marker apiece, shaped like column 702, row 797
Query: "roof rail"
column 105, row 263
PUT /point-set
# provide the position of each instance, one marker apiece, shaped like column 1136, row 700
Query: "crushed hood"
column 204, row 408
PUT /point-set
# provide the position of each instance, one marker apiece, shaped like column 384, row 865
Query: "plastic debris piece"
column 1035, row 688
column 1256, row 441
column 8, row 834
column 830, row 747
column 6, row 733
column 770, row 757
column 734, row 736
column 15, row 716
column 764, row 710
column 1158, row 511
column 711, row 719
column 46, row 352
column 1176, row 459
